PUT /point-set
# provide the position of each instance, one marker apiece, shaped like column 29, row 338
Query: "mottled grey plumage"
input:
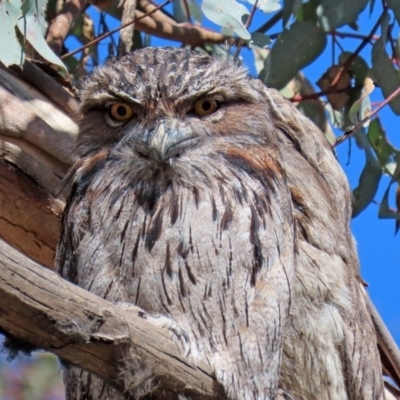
column 234, row 225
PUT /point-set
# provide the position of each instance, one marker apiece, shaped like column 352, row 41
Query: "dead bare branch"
column 159, row 16
column 126, row 34
column 40, row 308
column 61, row 25
column 50, row 88
column 27, row 114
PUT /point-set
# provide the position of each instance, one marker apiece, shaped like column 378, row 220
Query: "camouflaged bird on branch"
column 209, row 201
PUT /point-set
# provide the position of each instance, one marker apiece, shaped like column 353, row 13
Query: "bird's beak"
column 161, row 140
column 166, row 140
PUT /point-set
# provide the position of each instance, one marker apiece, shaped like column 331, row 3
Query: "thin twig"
column 352, row 35
column 346, row 66
column 316, row 95
column 270, row 23
column 352, row 129
column 105, row 28
column 248, row 23
column 98, row 39
column 160, row 16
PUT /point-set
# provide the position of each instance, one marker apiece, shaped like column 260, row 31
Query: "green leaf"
column 11, row 51
column 382, row 148
column 336, row 118
column 179, row 11
column 259, row 57
column 260, row 40
column 385, row 73
column 36, row 9
column 294, row 49
column 308, row 11
column 228, row 13
column 267, row 6
column 395, row 6
column 359, row 67
column 361, row 108
column 194, row 10
column 367, row 187
column 31, row 26
column 398, row 45
column 335, row 13
column 290, row 7
column 385, row 212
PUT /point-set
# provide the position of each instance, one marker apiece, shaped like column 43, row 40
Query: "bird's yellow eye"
column 121, row 112
column 206, row 107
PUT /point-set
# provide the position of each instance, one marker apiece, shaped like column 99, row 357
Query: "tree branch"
column 126, row 34
column 60, row 26
column 41, row 309
column 36, row 141
column 30, row 219
column 147, row 23
column 27, row 114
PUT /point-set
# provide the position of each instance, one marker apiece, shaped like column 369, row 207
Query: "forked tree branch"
column 41, row 309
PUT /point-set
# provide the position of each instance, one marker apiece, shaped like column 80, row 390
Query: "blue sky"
column 377, row 245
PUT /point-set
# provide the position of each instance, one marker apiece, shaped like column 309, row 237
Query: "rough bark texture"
column 40, row 308
column 29, row 217
column 36, row 139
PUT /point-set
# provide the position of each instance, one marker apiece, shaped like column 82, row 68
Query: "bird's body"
column 196, row 202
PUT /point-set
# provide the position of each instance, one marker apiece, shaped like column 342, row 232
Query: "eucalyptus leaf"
column 359, row 67
column 294, row 49
column 259, row 39
column 260, row 55
column 367, row 187
column 11, row 51
column 379, row 142
column 180, row 14
column 395, row 6
column 36, row 8
column 308, row 11
column 385, row 73
column 333, row 14
column 267, row 6
column 228, row 13
column 227, row 31
column 30, row 26
column 398, row 45
column 354, row 26
column 290, row 7
column 361, row 108
column 385, row 212
column 195, row 10
column 336, row 118
column 179, row 11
